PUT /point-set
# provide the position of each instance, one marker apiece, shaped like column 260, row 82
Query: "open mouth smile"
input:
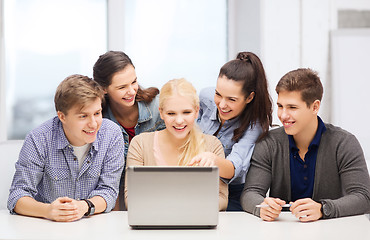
column 90, row 132
column 129, row 99
column 288, row 124
column 224, row 111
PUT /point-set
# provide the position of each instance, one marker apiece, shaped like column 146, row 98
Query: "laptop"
column 172, row 197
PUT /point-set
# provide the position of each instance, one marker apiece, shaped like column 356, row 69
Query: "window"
column 46, row 41
column 169, row 39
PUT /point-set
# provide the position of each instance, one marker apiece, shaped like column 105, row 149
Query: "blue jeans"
column 235, row 190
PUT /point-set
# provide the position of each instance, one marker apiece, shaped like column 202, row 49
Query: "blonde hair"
column 195, row 141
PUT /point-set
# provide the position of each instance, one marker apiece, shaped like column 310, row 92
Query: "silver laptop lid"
column 172, row 196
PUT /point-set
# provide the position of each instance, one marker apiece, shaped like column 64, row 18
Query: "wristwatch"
column 91, row 209
column 325, row 209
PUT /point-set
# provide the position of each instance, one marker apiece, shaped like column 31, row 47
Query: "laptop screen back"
column 172, row 196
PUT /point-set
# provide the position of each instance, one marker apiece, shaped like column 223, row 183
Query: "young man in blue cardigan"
column 318, row 168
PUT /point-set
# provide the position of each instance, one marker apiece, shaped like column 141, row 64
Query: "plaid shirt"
column 48, row 169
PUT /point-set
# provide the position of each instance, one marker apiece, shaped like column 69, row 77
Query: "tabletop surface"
column 232, row 225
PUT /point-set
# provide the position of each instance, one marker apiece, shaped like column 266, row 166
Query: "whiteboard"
column 350, row 58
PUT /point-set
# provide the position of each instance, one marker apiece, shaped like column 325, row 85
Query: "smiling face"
column 122, row 91
column 297, row 118
column 179, row 114
column 81, row 125
column 230, row 99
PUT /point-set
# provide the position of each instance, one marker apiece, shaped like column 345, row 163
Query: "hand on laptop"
column 205, row 159
column 273, row 210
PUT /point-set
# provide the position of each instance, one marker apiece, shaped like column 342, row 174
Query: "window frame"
column 3, row 103
column 115, row 41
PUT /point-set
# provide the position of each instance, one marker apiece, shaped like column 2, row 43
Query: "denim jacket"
column 239, row 153
column 149, row 120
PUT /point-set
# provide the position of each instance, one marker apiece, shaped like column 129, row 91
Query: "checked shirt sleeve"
column 112, row 144
column 29, row 171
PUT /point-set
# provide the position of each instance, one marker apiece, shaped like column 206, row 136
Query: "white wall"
column 244, row 27
column 2, row 82
column 9, row 152
column 296, row 34
column 351, row 75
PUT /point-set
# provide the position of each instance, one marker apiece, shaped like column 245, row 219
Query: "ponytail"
column 146, row 95
column 248, row 69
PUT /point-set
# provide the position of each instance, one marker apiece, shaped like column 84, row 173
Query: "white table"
column 232, row 225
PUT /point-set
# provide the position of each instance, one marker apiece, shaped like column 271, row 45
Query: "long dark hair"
column 248, row 69
column 112, row 62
